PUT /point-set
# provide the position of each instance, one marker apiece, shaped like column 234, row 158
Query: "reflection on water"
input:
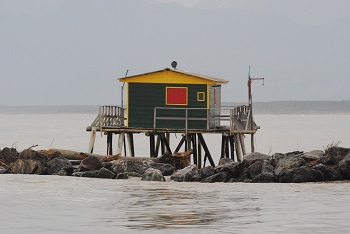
column 184, row 206
column 53, row 204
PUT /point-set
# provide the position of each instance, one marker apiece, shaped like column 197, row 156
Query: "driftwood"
column 4, row 165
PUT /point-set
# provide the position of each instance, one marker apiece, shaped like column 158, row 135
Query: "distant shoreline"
column 274, row 107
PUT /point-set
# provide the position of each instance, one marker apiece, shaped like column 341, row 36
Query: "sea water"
column 54, row 204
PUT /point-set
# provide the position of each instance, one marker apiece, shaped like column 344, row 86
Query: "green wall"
column 143, row 98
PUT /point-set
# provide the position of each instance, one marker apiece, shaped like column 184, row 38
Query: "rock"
column 121, row 166
column 276, row 157
column 8, row 155
column 59, row 166
column 152, row 174
column 133, row 174
column 165, row 168
column 188, row 174
column 334, row 155
column 29, row 166
column 3, row 170
column 219, row 177
column 288, row 162
column 265, row 177
column 313, row 155
column 244, row 175
column 105, row 173
column 206, row 171
column 33, row 155
column 328, row 173
column 234, row 168
column 90, row 163
column 122, row 176
column 343, row 167
column 255, row 168
column 253, row 157
column 267, row 167
column 90, row 174
column 300, row 175
column 225, row 161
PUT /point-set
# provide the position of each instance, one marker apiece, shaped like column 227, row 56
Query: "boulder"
column 59, row 166
column 255, row 168
column 105, row 173
column 3, row 170
column 334, row 155
column 244, row 175
column 152, row 174
column 126, row 166
column 90, row 174
column 33, row 155
column 343, row 167
column 288, row 162
column 219, row 177
column 267, row 167
column 328, row 172
column 234, row 168
column 133, row 174
column 188, row 174
column 225, row 161
column 300, row 175
column 206, row 171
column 29, row 166
column 165, row 168
column 264, row 177
column 123, row 176
column 90, row 163
column 8, row 155
column 276, row 157
column 253, row 157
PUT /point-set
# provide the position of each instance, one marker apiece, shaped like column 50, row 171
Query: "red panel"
column 176, row 96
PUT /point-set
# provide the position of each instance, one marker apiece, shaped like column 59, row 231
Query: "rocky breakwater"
column 333, row 164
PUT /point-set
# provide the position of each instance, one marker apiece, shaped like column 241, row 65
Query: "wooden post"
column 92, row 140
column 152, row 145
column 223, row 146
column 199, row 154
column 120, row 143
column 238, row 147
column 194, row 143
column 252, row 143
column 131, row 144
column 232, row 147
column 206, row 150
column 109, row 143
column 157, row 146
column 183, row 139
column 165, row 142
column 242, row 144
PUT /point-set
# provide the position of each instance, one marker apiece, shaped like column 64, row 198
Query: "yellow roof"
column 173, row 76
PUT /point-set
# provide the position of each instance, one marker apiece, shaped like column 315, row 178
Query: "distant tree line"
column 299, row 107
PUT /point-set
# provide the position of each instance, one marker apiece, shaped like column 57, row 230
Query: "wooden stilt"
column 157, row 146
column 164, row 142
column 152, row 145
column 238, row 148
column 121, row 140
column 242, row 144
column 232, row 147
column 252, row 142
column 131, row 144
column 183, row 139
column 206, row 150
column 227, row 151
column 199, row 154
column 92, row 140
column 109, row 143
column 223, row 146
column 194, row 143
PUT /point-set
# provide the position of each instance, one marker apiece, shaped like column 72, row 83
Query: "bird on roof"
column 174, row 64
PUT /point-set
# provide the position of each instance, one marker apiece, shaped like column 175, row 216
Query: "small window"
column 176, row 96
column 201, row 96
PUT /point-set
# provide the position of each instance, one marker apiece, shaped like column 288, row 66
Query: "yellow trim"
column 208, row 96
column 172, row 87
column 127, row 105
column 200, row 96
column 166, row 77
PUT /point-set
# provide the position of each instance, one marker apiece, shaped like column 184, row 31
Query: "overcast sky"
column 59, row 52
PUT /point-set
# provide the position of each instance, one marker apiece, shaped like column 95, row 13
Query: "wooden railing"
column 109, row 116
column 239, row 118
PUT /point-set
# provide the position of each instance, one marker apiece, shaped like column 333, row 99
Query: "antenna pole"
column 250, row 103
